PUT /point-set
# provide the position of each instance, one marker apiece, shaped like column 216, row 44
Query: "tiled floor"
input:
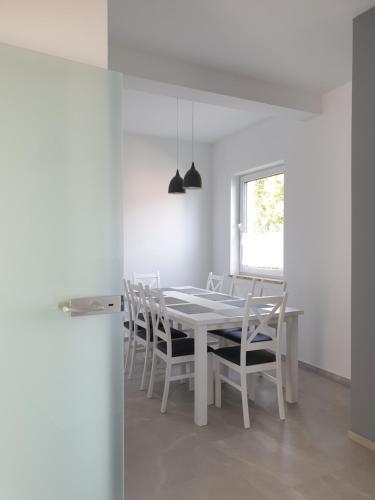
column 308, row 457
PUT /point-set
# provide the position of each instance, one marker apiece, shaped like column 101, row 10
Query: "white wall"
column 318, row 218
column 169, row 233
column 73, row 29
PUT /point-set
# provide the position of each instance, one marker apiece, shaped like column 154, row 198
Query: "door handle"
column 67, row 309
column 88, row 306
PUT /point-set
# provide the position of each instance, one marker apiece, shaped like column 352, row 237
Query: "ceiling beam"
column 167, row 76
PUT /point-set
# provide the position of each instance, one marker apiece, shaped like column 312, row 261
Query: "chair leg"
column 280, row 396
column 251, row 383
column 152, row 376
column 183, row 371
column 133, row 356
column 167, row 381
column 210, row 379
column 128, row 351
column 217, row 367
column 190, row 379
column 145, row 366
column 245, row 403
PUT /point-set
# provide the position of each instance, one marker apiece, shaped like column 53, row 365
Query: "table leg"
column 200, row 379
column 210, row 379
column 292, row 359
column 251, row 381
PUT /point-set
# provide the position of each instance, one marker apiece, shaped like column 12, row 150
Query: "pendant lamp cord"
column 177, row 130
column 192, row 131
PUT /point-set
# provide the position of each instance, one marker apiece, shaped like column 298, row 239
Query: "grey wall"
column 363, row 227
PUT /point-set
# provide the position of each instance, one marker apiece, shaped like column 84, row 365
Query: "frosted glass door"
column 60, row 237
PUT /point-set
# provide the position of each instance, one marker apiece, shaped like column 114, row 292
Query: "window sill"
column 262, row 273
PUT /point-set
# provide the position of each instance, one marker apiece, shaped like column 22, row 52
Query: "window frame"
column 252, row 175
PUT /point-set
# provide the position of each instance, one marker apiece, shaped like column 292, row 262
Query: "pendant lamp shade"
column 192, row 179
column 176, row 186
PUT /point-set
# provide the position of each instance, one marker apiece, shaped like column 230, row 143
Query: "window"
column 262, row 222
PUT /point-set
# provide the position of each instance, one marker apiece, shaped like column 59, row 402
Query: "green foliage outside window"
column 269, row 203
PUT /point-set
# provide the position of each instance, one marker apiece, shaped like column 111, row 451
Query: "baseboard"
column 324, row 373
column 357, row 438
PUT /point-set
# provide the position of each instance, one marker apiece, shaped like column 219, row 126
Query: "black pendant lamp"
column 176, row 186
column 192, row 179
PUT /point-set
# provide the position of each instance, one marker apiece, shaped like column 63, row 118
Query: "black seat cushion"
column 234, row 334
column 142, row 318
column 180, row 347
column 127, row 323
column 175, row 334
column 233, row 354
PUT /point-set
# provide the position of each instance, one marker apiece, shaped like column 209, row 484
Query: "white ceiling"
column 153, row 114
column 307, row 43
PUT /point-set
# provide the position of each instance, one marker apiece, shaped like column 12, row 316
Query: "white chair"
column 241, row 285
column 169, row 350
column 258, row 286
column 143, row 328
column 254, row 357
column 128, row 323
column 150, row 279
column 143, row 338
column 215, row 282
column 268, row 286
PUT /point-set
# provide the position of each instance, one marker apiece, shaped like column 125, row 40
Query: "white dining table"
column 201, row 310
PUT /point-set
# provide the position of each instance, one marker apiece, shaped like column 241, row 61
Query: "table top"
column 200, row 307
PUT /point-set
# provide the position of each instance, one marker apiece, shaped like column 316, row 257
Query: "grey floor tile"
column 307, row 457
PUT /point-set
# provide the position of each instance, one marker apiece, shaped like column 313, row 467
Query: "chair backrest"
column 241, row 286
column 160, row 320
column 264, row 310
column 257, row 285
column 268, row 286
column 127, row 302
column 215, row 282
column 141, row 308
column 150, row 279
